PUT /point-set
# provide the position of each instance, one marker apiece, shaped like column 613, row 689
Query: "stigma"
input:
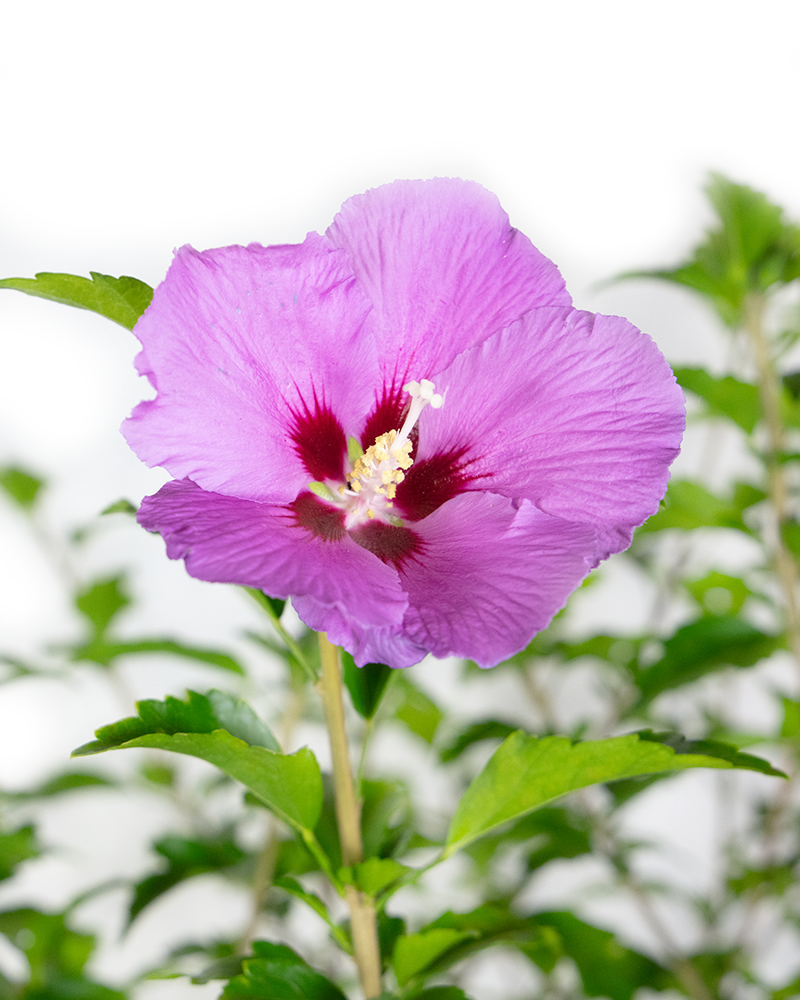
column 371, row 484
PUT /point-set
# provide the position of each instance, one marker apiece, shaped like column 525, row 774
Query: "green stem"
column 363, row 922
column 770, row 390
column 291, row 642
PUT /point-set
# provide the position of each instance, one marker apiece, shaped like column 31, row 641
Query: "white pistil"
column 375, row 475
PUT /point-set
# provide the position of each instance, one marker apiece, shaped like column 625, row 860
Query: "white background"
column 130, row 129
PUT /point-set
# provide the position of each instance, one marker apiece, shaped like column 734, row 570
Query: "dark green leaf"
column 712, row 748
column 366, row 684
column 607, row 968
column 525, row 773
column 416, row 710
column 704, row 646
column 290, row 785
column 725, row 397
column 277, row 973
column 385, row 817
column 21, row 486
column 293, row 887
column 439, row 993
column 122, row 300
column 490, row 729
column 414, row 953
column 16, row 847
column 185, row 858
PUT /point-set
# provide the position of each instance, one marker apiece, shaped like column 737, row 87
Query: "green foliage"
column 689, row 505
column 366, row 684
column 416, row 710
column 219, row 728
column 525, row 773
column 719, row 593
column 15, row 847
column 56, row 954
column 724, row 397
column 703, row 646
column 101, row 603
column 185, row 857
column 489, row 729
column 22, row 487
column 414, row 953
column 277, row 973
column 122, row 300
column 749, row 251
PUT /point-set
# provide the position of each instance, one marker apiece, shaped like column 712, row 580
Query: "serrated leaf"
column 122, row 300
column 277, row 973
column 290, row 785
column 22, row 487
column 726, row 396
column 703, row 646
column 525, row 773
column 413, row 953
column 366, row 684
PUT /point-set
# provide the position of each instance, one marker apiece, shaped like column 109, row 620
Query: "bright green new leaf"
column 120, row 507
column 102, row 601
column 417, row 711
column 375, row 874
column 525, row 773
column 719, row 593
column 224, row 731
column 121, row 299
column 21, row 486
column 277, row 973
column 726, row 397
column 413, row 953
column 16, row 847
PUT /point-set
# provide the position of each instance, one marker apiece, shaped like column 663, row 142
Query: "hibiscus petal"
column 493, row 572
column 443, row 269
column 262, row 365
column 228, row 540
column 579, row 413
column 378, row 644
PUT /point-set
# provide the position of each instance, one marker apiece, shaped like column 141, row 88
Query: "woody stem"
column 363, row 921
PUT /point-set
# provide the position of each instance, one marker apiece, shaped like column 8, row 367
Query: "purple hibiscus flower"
column 403, row 425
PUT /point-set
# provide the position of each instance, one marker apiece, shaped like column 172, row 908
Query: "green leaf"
column 439, row 993
column 366, row 684
column 489, row 729
column 104, row 653
column 525, row 773
column 122, row 300
column 703, row 646
column 413, row 953
column 293, row 887
column 416, row 710
column 102, row 601
column 750, row 250
column 277, row 973
column 120, row 507
column 289, row 785
column 607, row 968
column 185, row 857
column 69, row 781
column 712, row 748
column 689, row 505
column 791, row 719
column 725, row 397
column 375, row 874
column 21, row 486
column 16, row 847
column 56, row 954
column 719, row 594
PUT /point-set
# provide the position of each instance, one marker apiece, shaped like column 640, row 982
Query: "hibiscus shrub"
column 401, row 434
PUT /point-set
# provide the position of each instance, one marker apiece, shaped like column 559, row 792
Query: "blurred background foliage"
column 719, row 567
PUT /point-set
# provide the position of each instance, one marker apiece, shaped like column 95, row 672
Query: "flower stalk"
column 363, row 921
column 770, row 390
